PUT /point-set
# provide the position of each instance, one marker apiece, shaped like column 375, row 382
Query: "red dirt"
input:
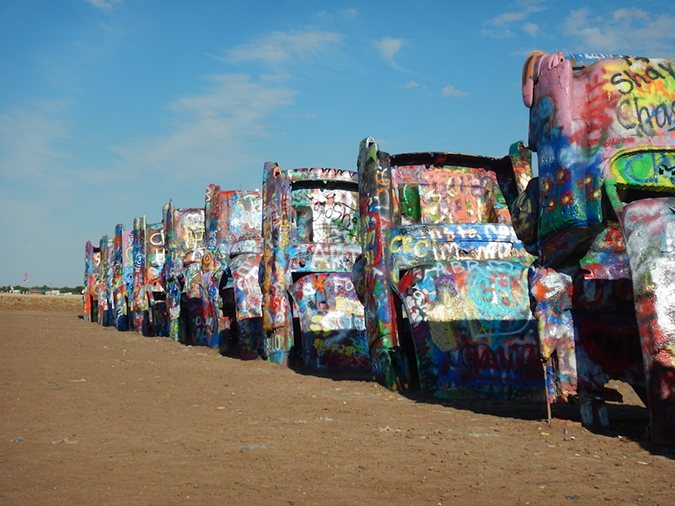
column 89, row 415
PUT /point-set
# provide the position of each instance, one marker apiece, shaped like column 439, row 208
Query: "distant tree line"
column 44, row 288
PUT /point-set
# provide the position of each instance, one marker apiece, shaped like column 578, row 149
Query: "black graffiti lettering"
column 619, row 81
column 668, row 68
column 639, row 114
column 624, row 114
column 627, row 81
column 653, row 74
column 662, row 115
column 637, row 78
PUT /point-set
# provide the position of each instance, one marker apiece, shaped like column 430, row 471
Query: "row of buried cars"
column 460, row 276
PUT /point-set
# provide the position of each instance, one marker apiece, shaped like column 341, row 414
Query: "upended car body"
column 600, row 220
column 92, row 266
column 443, row 275
column 312, row 317
column 230, row 295
column 105, row 282
column 155, row 318
column 121, row 284
column 184, row 247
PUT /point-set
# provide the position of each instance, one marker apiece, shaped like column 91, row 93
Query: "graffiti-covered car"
column 122, row 263
column 92, row 267
column 155, row 319
column 123, row 272
column 137, row 292
column 232, row 300
column 105, row 283
column 311, row 313
column 443, row 275
column 600, row 220
column 184, row 247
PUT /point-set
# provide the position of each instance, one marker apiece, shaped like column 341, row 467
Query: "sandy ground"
column 89, row 415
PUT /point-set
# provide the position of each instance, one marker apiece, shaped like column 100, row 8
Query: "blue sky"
column 109, row 108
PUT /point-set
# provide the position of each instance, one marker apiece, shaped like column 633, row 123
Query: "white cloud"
column 105, row 5
column 329, row 17
column 595, row 37
column 501, row 26
column 277, row 49
column 410, row 84
column 632, row 13
column 531, row 29
column 388, row 48
column 39, row 196
column 451, row 91
column 29, row 141
column 212, row 131
column 629, row 30
column 501, row 33
column 507, row 18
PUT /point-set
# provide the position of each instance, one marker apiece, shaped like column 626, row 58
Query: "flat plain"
column 90, row 415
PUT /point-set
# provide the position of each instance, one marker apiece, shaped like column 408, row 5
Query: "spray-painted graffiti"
column 313, row 257
column 105, row 282
column 184, row 245
column 155, row 322
column 139, row 301
column 126, row 270
column 602, row 127
column 471, row 326
column 92, row 265
column 332, row 319
column 418, row 244
column 227, row 278
column 436, row 235
column 310, row 234
column 120, row 287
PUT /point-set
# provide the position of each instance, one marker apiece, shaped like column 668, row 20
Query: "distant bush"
column 77, row 290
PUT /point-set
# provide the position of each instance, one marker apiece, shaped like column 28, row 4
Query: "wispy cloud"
column 450, row 91
column 212, row 131
column 505, row 24
column 632, row 30
column 341, row 14
column 105, row 5
column 212, row 134
column 29, row 140
column 531, row 29
column 39, row 195
column 388, row 48
column 278, row 49
column 414, row 85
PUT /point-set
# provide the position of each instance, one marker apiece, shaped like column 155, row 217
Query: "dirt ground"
column 90, row 415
